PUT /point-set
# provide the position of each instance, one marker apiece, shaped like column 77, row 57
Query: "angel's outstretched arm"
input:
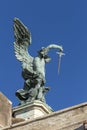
column 54, row 46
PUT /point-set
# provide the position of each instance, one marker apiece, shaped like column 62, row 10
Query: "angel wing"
column 22, row 41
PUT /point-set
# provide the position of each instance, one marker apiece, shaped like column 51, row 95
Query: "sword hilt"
column 60, row 53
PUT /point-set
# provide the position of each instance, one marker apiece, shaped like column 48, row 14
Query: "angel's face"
column 42, row 53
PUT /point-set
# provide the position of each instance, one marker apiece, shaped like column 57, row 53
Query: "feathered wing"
column 22, row 41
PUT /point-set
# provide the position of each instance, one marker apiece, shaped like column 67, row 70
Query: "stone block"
column 31, row 110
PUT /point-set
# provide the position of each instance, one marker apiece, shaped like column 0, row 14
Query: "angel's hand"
column 61, row 48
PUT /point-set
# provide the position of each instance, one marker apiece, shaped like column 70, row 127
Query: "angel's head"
column 43, row 54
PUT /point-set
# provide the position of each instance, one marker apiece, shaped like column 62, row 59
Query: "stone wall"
column 5, row 111
column 67, row 119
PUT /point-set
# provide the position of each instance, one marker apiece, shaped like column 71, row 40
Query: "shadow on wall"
column 81, row 128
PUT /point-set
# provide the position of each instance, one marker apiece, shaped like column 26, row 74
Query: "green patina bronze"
column 33, row 68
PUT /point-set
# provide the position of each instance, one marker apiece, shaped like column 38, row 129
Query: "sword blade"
column 59, row 60
column 59, row 63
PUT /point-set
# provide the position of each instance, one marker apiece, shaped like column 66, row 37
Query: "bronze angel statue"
column 33, row 68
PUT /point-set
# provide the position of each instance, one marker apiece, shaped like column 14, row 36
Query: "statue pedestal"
column 31, row 110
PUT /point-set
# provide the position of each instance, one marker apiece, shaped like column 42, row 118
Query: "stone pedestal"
column 5, row 111
column 31, row 110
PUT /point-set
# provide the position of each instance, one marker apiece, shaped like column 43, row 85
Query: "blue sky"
column 63, row 22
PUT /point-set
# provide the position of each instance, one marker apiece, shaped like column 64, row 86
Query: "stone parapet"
column 67, row 119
